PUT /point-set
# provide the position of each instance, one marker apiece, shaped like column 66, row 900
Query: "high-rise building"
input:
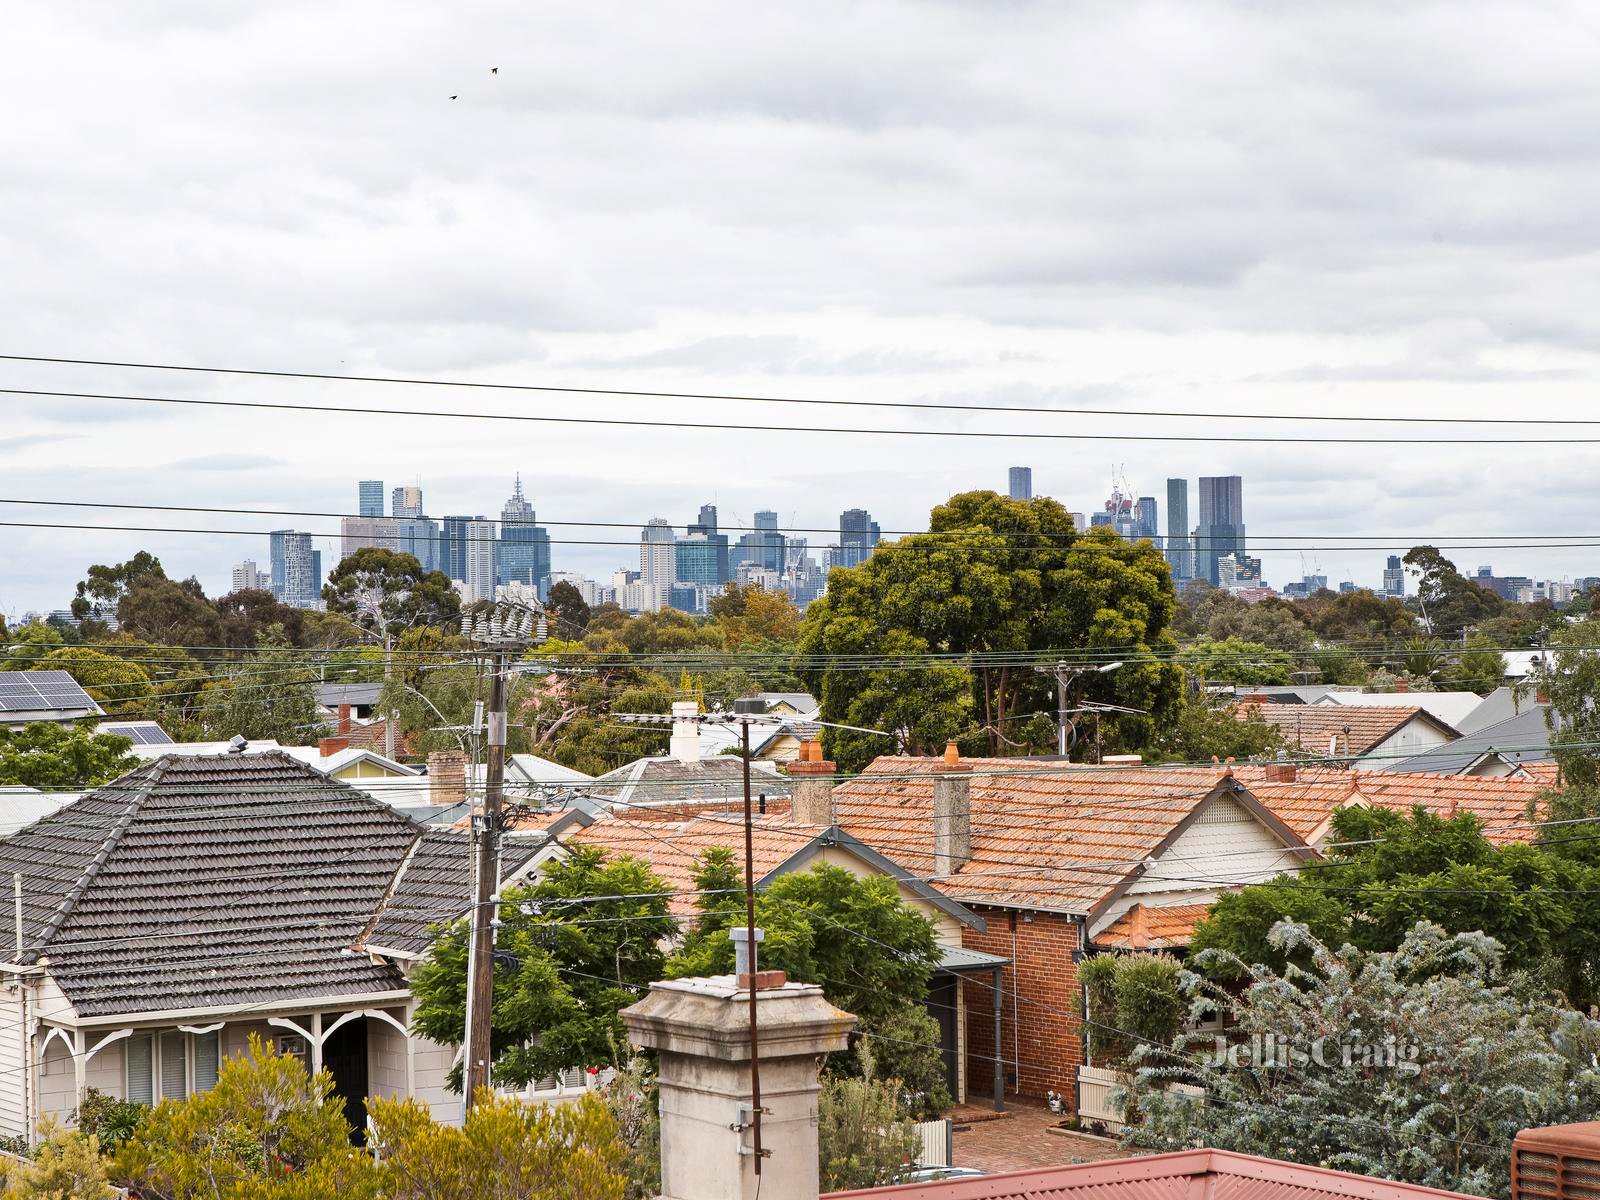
column 417, row 536
column 296, row 569
column 524, row 555
column 405, row 502
column 1021, row 483
column 706, row 527
column 858, row 534
column 763, row 546
column 658, row 563
column 1146, row 523
column 453, row 541
column 248, row 578
column 1394, row 577
column 1180, row 555
column 1221, row 529
column 478, row 567
column 370, row 492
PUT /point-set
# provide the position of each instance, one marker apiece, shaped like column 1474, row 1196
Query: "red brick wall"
column 1041, row 1044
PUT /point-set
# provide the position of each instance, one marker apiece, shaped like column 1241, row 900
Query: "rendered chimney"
column 952, row 814
column 685, row 745
column 447, row 777
column 700, row 1029
column 812, row 796
column 1557, row 1162
column 344, row 718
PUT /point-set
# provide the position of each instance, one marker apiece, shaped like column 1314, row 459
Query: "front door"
column 344, row 1055
column 942, row 1004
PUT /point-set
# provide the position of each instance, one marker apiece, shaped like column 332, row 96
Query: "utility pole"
column 1066, row 675
column 504, row 628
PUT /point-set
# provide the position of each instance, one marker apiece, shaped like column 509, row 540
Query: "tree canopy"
column 386, row 593
column 43, row 756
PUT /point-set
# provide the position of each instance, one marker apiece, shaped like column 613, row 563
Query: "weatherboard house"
column 165, row 918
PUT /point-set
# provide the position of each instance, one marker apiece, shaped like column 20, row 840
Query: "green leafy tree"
column 1480, row 667
column 170, row 612
column 1240, row 662
column 66, row 1165
column 1130, row 999
column 992, row 575
column 41, row 755
column 1204, row 731
column 244, row 614
column 264, row 696
column 385, row 593
column 505, row 1149
column 579, row 959
column 29, row 644
column 1418, row 1064
column 266, row 1118
column 749, row 615
column 865, row 1136
column 568, row 613
column 100, row 592
column 1572, row 681
column 632, row 1097
column 1448, row 600
column 121, row 687
column 112, row 1121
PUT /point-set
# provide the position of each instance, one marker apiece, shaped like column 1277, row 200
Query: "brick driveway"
column 1021, row 1140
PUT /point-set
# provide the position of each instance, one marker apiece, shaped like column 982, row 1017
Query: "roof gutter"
column 300, row 1004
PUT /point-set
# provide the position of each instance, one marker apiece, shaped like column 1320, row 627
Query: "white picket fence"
column 937, row 1138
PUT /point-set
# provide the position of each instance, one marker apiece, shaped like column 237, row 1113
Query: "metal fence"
column 937, row 1143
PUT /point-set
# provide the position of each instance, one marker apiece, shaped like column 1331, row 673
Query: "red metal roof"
column 1214, row 1174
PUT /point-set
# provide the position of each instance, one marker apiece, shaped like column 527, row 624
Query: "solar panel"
column 26, row 691
column 142, row 733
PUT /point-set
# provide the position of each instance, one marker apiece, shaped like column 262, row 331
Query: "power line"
column 733, row 427
column 763, row 399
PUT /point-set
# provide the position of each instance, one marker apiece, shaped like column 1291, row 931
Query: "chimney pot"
column 951, row 755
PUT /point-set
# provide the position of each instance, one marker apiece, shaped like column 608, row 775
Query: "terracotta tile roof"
column 1356, row 730
column 1217, row 1174
column 1501, row 803
column 1144, row 927
column 1029, row 820
column 671, row 847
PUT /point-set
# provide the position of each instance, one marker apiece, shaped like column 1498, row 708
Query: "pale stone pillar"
column 700, row 1029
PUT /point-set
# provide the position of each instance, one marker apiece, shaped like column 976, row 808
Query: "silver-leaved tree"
column 1419, row 1064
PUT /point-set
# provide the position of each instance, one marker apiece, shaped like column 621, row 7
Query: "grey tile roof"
column 203, row 882
column 435, row 886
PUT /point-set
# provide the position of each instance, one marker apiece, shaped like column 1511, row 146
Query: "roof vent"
column 1558, row 1162
column 237, row 744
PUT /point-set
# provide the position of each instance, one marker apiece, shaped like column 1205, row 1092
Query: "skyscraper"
column 858, row 534
column 478, row 547
column 1221, row 529
column 247, row 577
column 417, row 536
column 1021, row 483
column 296, row 569
column 764, row 545
column 405, row 502
column 524, row 555
column 706, row 526
column 658, row 563
column 1394, row 577
column 453, row 541
column 1180, row 555
column 1147, row 522
column 370, row 492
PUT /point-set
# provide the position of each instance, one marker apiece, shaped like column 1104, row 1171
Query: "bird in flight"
column 453, row 97
column 494, row 70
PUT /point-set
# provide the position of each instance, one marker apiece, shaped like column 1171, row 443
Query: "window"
column 141, row 1068
column 174, row 1075
column 207, row 1052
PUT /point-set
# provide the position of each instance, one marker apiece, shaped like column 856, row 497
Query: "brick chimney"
column 344, row 718
column 1254, row 698
column 952, row 814
column 1402, row 685
column 329, row 746
column 812, row 796
column 447, row 777
column 701, row 1031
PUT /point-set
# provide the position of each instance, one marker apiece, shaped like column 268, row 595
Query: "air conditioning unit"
column 1557, row 1162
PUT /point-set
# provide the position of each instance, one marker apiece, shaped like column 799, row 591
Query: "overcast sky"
column 1333, row 208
